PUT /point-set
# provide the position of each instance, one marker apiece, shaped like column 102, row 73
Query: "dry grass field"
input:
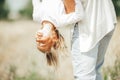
column 19, row 56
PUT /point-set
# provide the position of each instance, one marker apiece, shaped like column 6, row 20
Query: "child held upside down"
column 90, row 38
column 52, row 14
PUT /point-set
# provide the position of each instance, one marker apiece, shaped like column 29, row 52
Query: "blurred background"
column 19, row 58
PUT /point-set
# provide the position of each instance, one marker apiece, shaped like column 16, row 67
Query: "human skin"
column 69, row 6
column 44, row 43
column 46, row 39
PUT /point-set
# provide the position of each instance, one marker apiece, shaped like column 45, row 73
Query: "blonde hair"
column 59, row 46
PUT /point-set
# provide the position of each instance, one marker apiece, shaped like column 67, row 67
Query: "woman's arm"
column 69, row 6
column 73, row 17
column 70, row 17
column 58, row 20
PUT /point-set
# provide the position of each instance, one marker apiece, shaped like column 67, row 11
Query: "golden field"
column 19, row 56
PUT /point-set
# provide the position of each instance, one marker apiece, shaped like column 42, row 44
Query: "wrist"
column 48, row 25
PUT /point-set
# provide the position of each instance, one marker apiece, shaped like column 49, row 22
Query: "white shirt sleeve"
column 39, row 14
column 66, row 19
column 37, row 10
column 59, row 20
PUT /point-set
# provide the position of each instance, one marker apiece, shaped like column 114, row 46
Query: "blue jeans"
column 87, row 65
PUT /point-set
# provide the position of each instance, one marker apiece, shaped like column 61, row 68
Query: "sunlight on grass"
column 32, row 75
column 112, row 73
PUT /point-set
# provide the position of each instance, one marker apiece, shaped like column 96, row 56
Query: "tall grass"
column 3, row 11
column 12, row 75
column 117, row 6
column 112, row 73
column 27, row 12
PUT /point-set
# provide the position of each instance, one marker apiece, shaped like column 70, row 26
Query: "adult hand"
column 46, row 37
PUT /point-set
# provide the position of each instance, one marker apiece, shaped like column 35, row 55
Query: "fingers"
column 39, row 37
column 43, row 39
column 44, row 47
column 40, row 48
column 38, row 34
column 44, row 43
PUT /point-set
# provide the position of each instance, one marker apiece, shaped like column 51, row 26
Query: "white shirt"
column 98, row 21
column 95, row 21
column 53, row 11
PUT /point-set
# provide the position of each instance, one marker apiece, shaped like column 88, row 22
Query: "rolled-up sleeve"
column 66, row 19
column 37, row 10
column 40, row 14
